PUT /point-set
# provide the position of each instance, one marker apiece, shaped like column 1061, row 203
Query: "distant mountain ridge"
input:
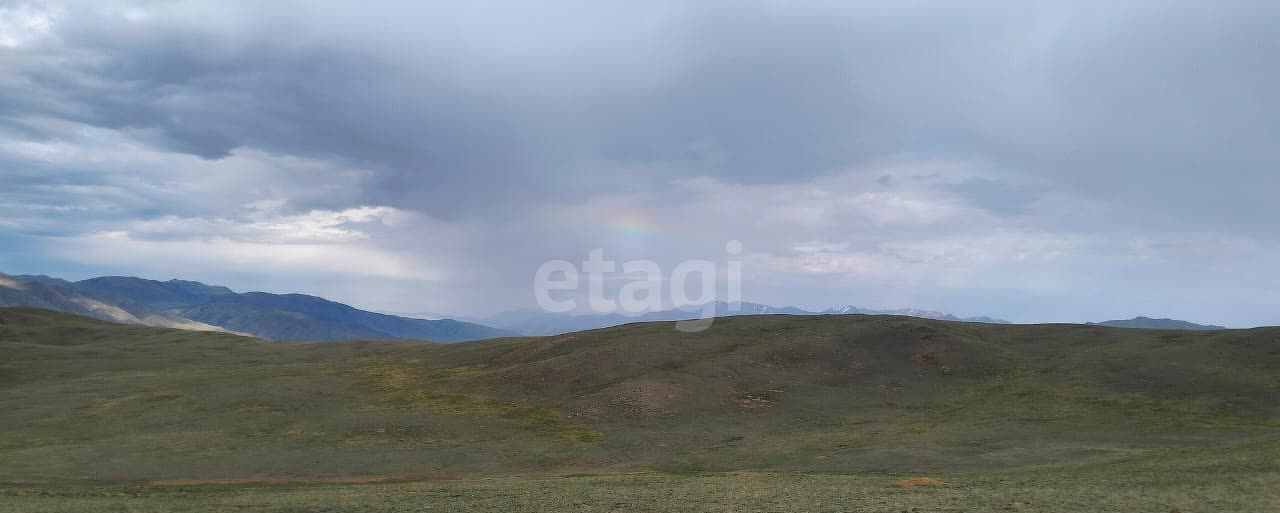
column 913, row 312
column 197, row 306
column 1157, row 324
column 541, row 323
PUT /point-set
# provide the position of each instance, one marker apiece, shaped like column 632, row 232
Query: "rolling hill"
column 88, row 400
column 196, row 306
column 1157, row 324
column 541, row 323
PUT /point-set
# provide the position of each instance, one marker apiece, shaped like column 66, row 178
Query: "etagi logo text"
column 643, row 286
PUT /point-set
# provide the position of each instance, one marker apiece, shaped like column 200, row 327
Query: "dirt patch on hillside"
column 919, row 482
column 645, row 399
column 925, row 358
column 759, row 400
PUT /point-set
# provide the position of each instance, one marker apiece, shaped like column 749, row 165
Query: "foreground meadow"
column 733, row 492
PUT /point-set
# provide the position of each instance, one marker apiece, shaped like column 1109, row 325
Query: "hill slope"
column 90, row 400
column 541, row 323
column 196, row 306
column 1158, row 324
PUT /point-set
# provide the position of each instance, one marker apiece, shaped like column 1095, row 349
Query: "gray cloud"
column 749, row 95
column 930, row 126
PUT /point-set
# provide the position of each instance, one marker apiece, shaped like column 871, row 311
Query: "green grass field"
column 730, row 492
column 765, row 413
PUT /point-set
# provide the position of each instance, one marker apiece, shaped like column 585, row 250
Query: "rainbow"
column 632, row 224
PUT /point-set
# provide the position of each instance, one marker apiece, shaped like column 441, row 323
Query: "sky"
column 1032, row 161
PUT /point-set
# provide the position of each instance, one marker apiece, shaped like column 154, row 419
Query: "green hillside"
column 92, row 402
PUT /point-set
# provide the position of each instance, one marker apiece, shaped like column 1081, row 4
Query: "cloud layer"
column 1050, row 162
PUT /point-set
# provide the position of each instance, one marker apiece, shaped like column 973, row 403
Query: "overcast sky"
column 1024, row 160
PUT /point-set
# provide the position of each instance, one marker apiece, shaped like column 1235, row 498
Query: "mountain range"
column 196, row 306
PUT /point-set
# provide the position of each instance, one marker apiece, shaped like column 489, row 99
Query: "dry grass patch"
column 920, row 482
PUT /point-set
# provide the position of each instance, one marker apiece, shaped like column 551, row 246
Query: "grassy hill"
column 92, row 402
column 534, row 322
column 1158, row 324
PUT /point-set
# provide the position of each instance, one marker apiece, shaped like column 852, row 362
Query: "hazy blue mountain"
column 43, row 280
column 302, row 317
column 194, row 305
column 1157, row 324
column 911, row 312
column 142, row 297
column 51, row 294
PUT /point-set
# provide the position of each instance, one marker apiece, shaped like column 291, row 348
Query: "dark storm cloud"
column 169, row 89
column 1141, row 102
